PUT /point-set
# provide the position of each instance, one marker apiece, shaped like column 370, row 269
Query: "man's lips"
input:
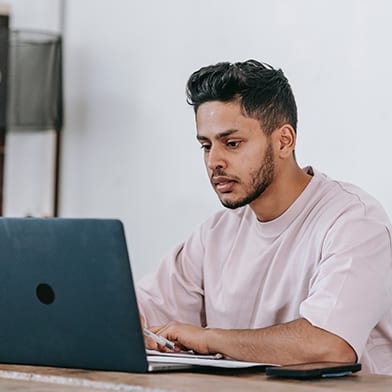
column 223, row 184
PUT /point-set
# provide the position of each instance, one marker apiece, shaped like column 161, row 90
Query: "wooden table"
column 30, row 378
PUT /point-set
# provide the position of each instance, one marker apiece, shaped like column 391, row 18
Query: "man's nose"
column 216, row 158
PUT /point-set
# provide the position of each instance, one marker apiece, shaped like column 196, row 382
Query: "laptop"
column 67, row 297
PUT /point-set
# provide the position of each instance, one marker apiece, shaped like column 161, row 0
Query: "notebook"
column 68, row 300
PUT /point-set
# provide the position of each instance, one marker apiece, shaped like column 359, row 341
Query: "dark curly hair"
column 263, row 92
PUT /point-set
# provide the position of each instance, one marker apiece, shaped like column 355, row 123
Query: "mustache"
column 219, row 172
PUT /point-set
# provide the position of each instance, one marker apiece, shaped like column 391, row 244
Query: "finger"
column 164, row 331
column 142, row 321
column 168, row 332
column 150, row 343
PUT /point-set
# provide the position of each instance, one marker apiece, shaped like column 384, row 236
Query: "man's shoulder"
column 345, row 196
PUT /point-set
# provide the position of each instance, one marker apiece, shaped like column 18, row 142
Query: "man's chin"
column 232, row 204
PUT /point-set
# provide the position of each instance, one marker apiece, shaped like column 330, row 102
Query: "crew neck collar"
column 276, row 226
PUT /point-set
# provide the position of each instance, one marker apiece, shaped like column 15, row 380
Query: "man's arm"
column 175, row 289
column 294, row 342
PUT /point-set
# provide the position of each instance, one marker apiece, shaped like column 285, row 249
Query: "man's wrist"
column 211, row 339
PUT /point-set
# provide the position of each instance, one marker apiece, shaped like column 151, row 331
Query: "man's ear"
column 286, row 139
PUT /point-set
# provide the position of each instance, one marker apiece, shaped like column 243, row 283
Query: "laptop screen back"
column 66, row 295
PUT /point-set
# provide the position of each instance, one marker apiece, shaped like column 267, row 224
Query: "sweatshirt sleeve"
column 352, row 287
column 175, row 291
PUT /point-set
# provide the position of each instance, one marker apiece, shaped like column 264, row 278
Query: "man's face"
column 237, row 153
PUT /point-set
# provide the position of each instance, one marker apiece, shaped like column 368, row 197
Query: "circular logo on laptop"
column 45, row 293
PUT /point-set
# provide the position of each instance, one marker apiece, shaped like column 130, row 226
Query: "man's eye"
column 233, row 144
column 205, row 147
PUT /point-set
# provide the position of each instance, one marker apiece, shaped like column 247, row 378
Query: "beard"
column 261, row 179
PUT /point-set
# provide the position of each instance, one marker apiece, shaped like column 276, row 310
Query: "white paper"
column 200, row 360
column 183, row 354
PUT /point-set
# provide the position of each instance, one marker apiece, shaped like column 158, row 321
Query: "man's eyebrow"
column 218, row 136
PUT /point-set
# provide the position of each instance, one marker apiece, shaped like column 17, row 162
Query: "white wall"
column 129, row 147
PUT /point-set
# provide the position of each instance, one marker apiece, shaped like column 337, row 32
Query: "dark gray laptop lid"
column 66, row 295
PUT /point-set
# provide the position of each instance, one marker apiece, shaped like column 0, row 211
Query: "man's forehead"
column 218, row 117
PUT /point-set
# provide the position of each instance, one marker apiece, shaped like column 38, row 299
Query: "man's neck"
column 281, row 194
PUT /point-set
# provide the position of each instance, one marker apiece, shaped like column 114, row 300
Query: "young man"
column 299, row 267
